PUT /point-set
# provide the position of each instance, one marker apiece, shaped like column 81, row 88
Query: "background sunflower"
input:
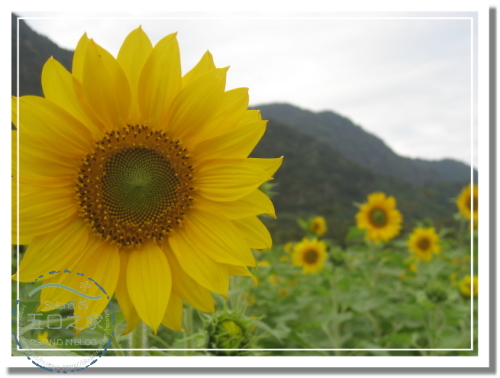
column 310, row 254
column 379, row 217
column 424, row 243
column 318, row 226
column 464, row 203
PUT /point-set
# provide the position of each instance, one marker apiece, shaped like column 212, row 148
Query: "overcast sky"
column 408, row 81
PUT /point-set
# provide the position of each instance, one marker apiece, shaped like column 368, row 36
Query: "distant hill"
column 317, row 180
column 364, row 148
column 34, row 50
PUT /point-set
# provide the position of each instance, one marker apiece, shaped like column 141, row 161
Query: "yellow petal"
column 229, row 179
column 232, row 108
column 238, row 271
column 160, row 80
column 15, row 239
column 54, row 251
column 50, row 296
column 216, row 237
column 205, row 64
column 235, row 143
column 241, row 271
column 173, row 315
column 43, row 167
column 196, row 103
column 250, row 116
column 197, row 265
column 133, row 54
column 253, row 204
column 46, row 210
column 67, row 277
column 106, row 87
column 79, row 57
column 149, row 283
column 58, row 87
column 44, row 123
column 102, row 266
column 255, row 233
column 188, row 289
column 270, row 166
column 126, row 305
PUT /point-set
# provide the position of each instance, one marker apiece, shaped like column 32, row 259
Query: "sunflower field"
column 141, row 230
column 385, row 294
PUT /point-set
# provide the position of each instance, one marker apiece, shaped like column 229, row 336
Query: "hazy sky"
column 408, row 81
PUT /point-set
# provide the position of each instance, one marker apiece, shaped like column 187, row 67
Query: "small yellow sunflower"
column 318, row 226
column 310, row 254
column 464, row 286
column 379, row 217
column 139, row 177
column 424, row 243
column 464, row 203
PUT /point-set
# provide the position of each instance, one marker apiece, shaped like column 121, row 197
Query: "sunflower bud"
column 435, row 292
column 337, row 257
column 229, row 330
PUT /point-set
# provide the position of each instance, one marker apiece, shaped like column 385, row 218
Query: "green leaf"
column 355, row 233
column 368, row 304
column 340, row 318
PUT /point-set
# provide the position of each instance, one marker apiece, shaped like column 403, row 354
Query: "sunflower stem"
column 138, row 339
column 335, row 310
column 116, row 345
column 189, row 331
column 461, row 231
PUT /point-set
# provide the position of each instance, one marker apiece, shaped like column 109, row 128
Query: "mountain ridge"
column 363, row 147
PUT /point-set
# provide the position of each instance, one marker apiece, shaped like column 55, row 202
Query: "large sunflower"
column 139, row 177
column 464, row 203
column 424, row 243
column 379, row 217
column 310, row 254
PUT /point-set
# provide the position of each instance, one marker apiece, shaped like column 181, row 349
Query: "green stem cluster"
column 138, row 339
column 189, row 331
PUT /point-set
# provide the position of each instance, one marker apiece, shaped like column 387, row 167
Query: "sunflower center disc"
column 139, row 185
column 378, row 217
column 134, row 185
column 424, row 244
column 311, row 257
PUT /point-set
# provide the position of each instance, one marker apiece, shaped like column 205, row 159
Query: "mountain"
column 34, row 50
column 315, row 179
column 364, row 148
